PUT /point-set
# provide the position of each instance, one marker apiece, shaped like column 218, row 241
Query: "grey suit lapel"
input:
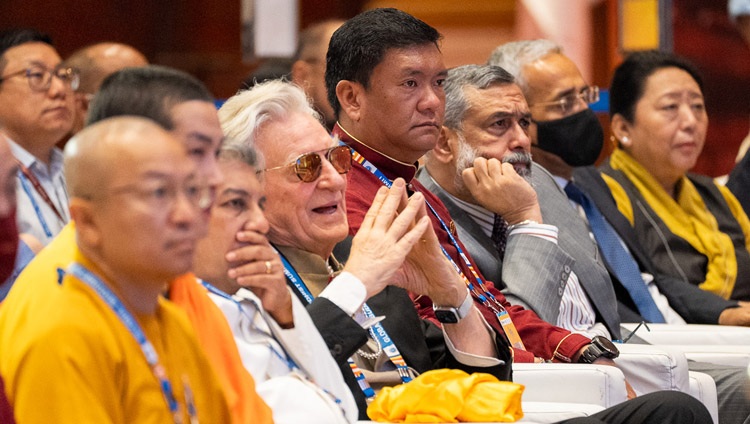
column 575, row 239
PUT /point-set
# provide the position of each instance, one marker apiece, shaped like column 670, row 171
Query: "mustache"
column 521, row 161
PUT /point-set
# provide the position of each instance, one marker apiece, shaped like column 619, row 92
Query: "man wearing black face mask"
column 566, row 139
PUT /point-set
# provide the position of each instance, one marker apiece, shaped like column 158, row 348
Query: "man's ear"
column 445, row 149
column 87, row 228
column 300, row 73
column 350, row 95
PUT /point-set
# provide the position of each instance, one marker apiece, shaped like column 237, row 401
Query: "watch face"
column 607, row 346
column 446, row 316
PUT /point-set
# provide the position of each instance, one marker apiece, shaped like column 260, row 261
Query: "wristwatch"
column 451, row 315
column 599, row 347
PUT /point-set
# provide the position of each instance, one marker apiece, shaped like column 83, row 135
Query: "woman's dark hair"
column 629, row 79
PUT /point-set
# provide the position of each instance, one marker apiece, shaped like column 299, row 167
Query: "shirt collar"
column 562, row 182
column 392, row 168
column 23, row 156
column 31, row 162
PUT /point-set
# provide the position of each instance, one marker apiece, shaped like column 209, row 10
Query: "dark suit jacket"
column 694, row 305
column 535, row 271
column 420, row 342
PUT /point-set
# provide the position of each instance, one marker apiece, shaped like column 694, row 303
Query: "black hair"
column 271, row 69
column 15, row 37
column 359, row 45
column 629, row 80
column 150, row 91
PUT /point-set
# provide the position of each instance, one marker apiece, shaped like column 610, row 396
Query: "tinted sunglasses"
column 309, row 166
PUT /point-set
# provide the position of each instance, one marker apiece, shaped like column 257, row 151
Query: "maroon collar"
column 389, row 166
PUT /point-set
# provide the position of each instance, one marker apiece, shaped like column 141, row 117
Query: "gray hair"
column 240, row 152
column 477, row 76
column 243, row 114
column 515, row 55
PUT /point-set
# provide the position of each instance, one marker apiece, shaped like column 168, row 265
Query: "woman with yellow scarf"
column 694, row 229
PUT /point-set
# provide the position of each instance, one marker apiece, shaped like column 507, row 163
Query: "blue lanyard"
column 295, row 279
column 34, row 204
column 377, row 330
column 152, row 358
column 484, row 295
column 285, row 357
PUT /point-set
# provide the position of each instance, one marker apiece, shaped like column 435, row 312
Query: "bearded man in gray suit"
column 475, row 169
column 483, row 149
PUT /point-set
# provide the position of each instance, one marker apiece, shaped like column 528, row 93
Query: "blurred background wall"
column 203, row 38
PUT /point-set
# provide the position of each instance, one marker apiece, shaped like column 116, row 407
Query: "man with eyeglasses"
column 110, row 348
column 487, row 118
column 276, row 338
column 566, row 137
column 181, row 104
column 304, row 192
column 309, row 68
column 36, row 111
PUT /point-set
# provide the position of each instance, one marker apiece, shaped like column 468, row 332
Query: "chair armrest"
column 555, row 412
column 571, row 383
column 702, row 334
column 653, row 368
column 703, row 388
column 735, row 355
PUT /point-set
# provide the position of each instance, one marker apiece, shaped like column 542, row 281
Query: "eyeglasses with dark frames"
column 566, row 104
column 40, row 77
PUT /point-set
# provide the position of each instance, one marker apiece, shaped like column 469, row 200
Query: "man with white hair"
column 306, row 210
column 276, row 338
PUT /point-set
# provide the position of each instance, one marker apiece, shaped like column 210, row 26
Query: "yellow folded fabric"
column 449, row 396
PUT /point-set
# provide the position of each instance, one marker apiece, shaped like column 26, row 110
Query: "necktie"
column 620, row 260
column 499, row 234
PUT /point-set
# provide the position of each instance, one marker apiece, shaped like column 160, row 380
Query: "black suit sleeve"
column 428, row 351
column 739, row 181
column 695, row 306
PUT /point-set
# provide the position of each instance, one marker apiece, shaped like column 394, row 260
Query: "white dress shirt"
column 576, row 312
column 304, row 390
column 33, row 214
column 669, row 314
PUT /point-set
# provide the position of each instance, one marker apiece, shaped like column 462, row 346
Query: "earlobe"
column 620, row 129
column 445, row 148
column 348, row 94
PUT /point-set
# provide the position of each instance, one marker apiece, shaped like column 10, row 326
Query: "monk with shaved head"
column 111, row 348
column 95, row 63
column 181, row 105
